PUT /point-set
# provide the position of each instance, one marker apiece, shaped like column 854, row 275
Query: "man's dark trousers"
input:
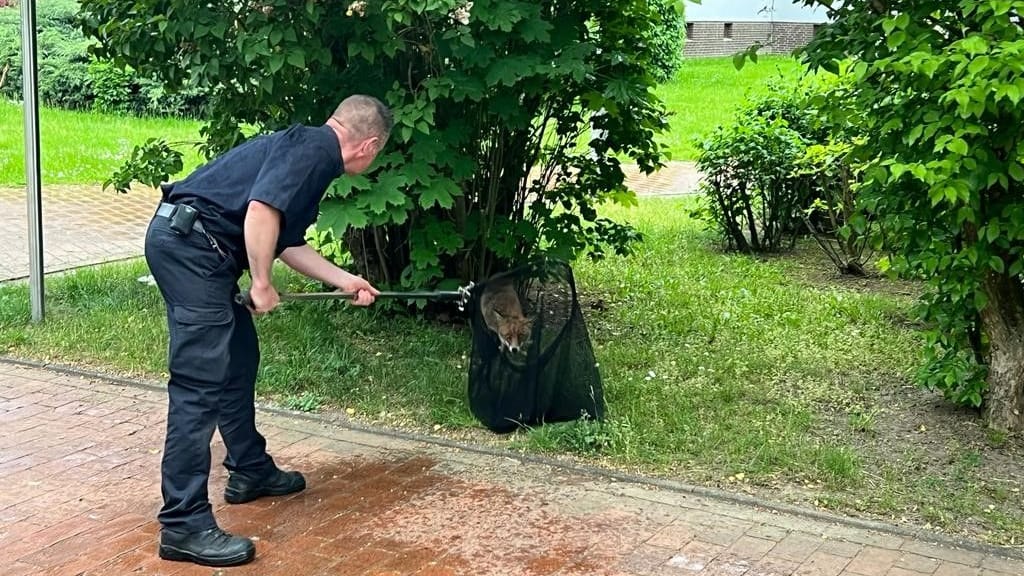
column 213, row 361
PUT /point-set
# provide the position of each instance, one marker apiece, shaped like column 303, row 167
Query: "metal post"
column 32, row 174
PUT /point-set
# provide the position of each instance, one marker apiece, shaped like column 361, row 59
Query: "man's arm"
column 262, row 227
column 305, row 260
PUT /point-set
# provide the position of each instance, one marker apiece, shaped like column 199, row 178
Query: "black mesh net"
column 532, row 361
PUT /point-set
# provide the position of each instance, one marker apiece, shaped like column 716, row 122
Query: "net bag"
column 532, row 361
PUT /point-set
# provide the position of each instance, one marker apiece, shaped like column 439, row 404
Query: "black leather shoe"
column 241, row 489
column 212, row 547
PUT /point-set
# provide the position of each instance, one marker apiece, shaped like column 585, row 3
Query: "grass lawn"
column 86, row 147
column 705, row 92
column 83, row 147
column 724, row 370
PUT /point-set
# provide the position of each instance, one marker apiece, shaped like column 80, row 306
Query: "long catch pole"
column 33, row 178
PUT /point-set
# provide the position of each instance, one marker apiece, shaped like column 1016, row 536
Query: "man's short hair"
column 365, row 117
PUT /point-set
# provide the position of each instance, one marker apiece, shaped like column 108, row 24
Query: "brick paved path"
column 79, row 488
column 83, row 225
column 674, row 179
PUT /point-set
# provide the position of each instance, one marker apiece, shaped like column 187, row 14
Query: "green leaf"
column 508, row 71
column 418, row 171
column 276, row 62
column 739, row 60
column 426, row 150
column 980, row 299
column 297, row 58
column 462, row 166
column 958, row 146
column 275, row 37
column 1013, row 93
column 974, row 44
column 992, row 231
column 915, row 134
column 535, row 30
column 859, row 223
column 997, row 264
column 340, row 216
column 387, row 191
column 978, row 64
column 896, row 39
column 500, row 15
column 1016, row 171
column 442, row 192
column 348, row 186
column 1017, row 267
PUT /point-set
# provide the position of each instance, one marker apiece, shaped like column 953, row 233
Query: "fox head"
column 513, row 332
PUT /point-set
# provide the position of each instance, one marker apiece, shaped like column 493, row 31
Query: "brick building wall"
column 705, row 39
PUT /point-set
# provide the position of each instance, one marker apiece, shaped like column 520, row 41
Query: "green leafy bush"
column 70, row 78
column 491, row 101
column 62, row 54
column 750, row 183
column 666, row 38
column 755, row 192
column 117, row 89
column 835, row 218
column 940, row 85
column 64, row 69
column 783, row 169
column 57, row 14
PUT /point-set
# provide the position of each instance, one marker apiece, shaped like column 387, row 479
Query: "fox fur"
column 503, row 315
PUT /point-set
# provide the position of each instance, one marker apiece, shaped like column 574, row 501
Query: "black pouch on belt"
column 182, row 219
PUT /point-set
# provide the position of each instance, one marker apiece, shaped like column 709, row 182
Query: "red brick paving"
column 79, row 467
column 83, row 225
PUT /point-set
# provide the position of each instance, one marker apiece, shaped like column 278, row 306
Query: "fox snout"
column 512, row 338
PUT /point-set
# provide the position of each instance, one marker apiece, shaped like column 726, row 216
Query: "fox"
column 503, row 315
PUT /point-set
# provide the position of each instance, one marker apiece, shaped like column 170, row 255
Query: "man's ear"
column 369, row 146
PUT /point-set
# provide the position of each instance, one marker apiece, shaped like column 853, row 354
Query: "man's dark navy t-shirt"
column 289, row 170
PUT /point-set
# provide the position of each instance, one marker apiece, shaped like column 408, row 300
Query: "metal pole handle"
column 462, row 295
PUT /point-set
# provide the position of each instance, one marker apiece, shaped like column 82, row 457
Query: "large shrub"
column 483, row 94
column 666, row 37
column 782, row 169
column 116, row 89
column 750, row 182
column 755, row 191
column 939, row 85
column 70, row 78
column 62, row 54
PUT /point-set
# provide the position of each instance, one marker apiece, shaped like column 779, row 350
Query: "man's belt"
column 184, row 219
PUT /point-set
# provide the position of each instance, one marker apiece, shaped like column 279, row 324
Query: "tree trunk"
column 370, row 254
column 1003, row 322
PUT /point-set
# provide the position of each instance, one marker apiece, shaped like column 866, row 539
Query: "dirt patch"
column 934, row 464
column 808, row 264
